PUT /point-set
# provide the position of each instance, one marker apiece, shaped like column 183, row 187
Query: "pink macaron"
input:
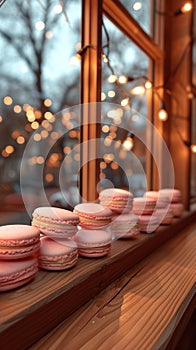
column 18, row 241
column 125, row 226
column 148, row 223
column 59, row 254
column 177, row 209
column 164, row 215
column 116, row 199
column 93, row 243
column 162, row 201
column 143, row 206
column 173, row 194
column 16, row 273
column 55, row 222
column 93, row 215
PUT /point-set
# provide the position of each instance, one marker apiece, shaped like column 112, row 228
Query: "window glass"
column 124, row 118
column 39, row 76
column 141, row 12
column 193, row 121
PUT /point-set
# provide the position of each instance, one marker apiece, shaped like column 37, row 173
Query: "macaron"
column 93, row 215
column 164, row 215
column 16, row 273
column 93, row 243
column 177, row 209
column 125, row 226
column 55, row 222
column 148, row 223
column 143, row 206
column 18, row 241
column 59, row 254
column 116, row 199
column 173, row 194
column 161, row 201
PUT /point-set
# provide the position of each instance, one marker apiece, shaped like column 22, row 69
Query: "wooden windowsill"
column 36, row 308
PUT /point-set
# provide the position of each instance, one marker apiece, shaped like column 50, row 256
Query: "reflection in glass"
column 38, row 78
column 124, row 85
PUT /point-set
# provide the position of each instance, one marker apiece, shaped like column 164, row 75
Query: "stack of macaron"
column 57, row 227
column 175, row 200
column 19, row 247
column 116, row 199
column 162, row 210
column 119, row 201
column 144, row 207
column 92, row 238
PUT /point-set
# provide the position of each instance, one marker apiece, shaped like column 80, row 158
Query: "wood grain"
column 139, row 311
column 51, row 297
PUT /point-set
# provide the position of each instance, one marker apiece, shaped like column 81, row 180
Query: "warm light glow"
column 37, row 137
column 44, row 134
column 114, row 166
column 107, row 141
column 49, row 116
column 105, row 128
column 47, row 102
column 1, row 119
column 187, row 7
column 108, row 158
column 112, row 78
column 49, row 177
column 35, row 125
column 7, row 100
column 20, row 140
column 122, row 79
column 40, row 160
column 138, row 90
column 103, row 96
column 148, row 84
column 75, row 60
column 137, row 6
column 105, row 58
column 39, row 25
column 15, row 134
column 17, row 109
column 111, row 93
column 163, row 115
column 124, row 102
column 67, row 149
column 193, row 148
column 103, row 165
column 58, row 9
column 9, row 149
column 128, row 144
column 48, row 34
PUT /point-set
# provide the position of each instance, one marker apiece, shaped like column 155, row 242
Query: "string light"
column 162, row 114
column 128, row 143
column 187, row 7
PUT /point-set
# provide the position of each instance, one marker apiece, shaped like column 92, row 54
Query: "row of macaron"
column 22, row 250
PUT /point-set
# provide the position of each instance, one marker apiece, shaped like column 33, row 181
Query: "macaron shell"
column 60, row 254
column 93, row 243
column 125, row 226
column 148, row 223
column 17, row 273
column 143, row 206
column 116, row 199
column 177, row 209
column 55, row 222
column 93, row 215
column 18, row 241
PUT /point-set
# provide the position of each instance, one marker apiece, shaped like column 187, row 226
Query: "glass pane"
column 193, row 121
column 141, row 11
column 124, row 128
column 39, row 75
